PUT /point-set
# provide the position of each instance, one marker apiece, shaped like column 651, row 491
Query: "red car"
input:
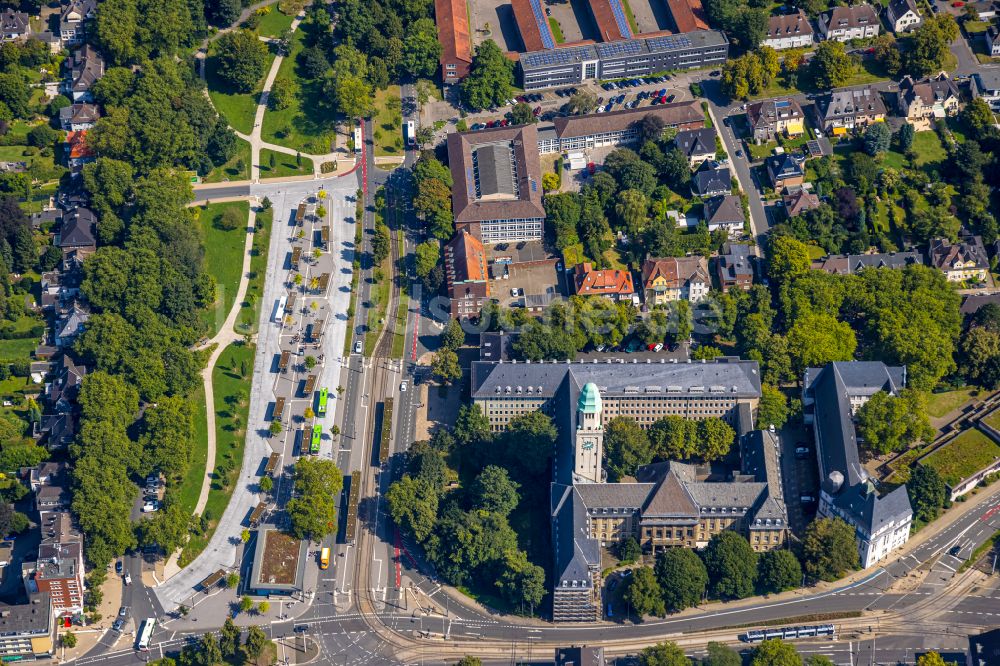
column 491, row 123
column 591, row 167
column 537, row 111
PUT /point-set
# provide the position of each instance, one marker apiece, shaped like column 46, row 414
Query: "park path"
column 226, row 336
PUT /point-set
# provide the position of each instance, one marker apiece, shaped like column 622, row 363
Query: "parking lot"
column 542, row 281
column 574, row 18
column 651, row 15
column 492, row 21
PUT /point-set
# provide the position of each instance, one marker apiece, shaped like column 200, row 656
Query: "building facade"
column 616, row 128
column 455, row 38
column 902, row 15
column 27, row 631
column 675, row 278
column 497, row 191
column 571, row 65
column 788, row 31
column 961, row 261
column 466, row 275
column 772, row 117
column 846, row 23
column 986, row 86
column 840, row 111
column 58, row 571
column 924, row 102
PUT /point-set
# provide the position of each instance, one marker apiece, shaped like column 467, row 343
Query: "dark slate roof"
column 33, row 618
column 77, row 228
column 831, row 388
column 580, row 656
column 495, row 346
column 973, row 302
column 696, row 142
column 783, row 166
column 710, row 178
column 576, row 554
column 846, row 264
column 728, row 377
column 985, row 648
column 614, row 495
column 724, row 209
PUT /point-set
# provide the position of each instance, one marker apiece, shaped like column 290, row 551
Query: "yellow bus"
column 324, row 558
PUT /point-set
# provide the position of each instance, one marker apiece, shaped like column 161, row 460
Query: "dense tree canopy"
column 490, row 79
column 731, row 565
column 829, row 549
column 889, row 423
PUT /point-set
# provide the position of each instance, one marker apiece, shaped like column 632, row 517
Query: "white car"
column 402, row 387
column 658, row 347
column 128, row 578
column 357, row 347
column 150, row 507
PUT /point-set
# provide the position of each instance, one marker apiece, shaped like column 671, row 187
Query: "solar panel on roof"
column 668, row 43
column 781, row 104
column 543, row 24
column 554, row 57
column 619, row 12
column 622, row 48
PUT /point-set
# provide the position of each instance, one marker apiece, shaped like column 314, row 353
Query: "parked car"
column 739, row 153
column 128, row 578
column 357, row 347
column 123, row 611
column 537, row 111
column 117, row 626
column 119, row 566
column 402, row 387
column 591, row 167
column 801, row 452
column 658, row 347
column 807, row 499
column 150, row 506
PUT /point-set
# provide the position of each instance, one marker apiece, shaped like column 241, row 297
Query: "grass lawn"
column 306, row 124
column 399, row 327
column 557, row 33
column 759, row 152
column 284, row 165
column 963, row 456
column 223, row 257
column 17, row 349
column 231, row 170
column 993, row 420
column 273, row 23
column 238, row 108
column 190, row 486
column 976, row 27
column 380, row 296
column 232, row 405
column 388, row 122
column 815, row 251
column 631, row 18
column 16, row 154
column 249, row 317
column 893, row 160
column 956, row 127
column 939, row 404
column 927, row 147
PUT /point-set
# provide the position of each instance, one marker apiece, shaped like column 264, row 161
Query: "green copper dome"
column 590, row 399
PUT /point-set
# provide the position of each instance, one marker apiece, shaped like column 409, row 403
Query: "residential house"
column 964, row 260
column 497, row 191
column 850, row 264
column 985, row 85
column 712, row 179
column 902, row 15
column 28, row 630
column 846, row 23
column 456, row 39
column 972, row 302
column 86, row 67
column 611, row 283
column 839, row 111
column 923, row 102
column 77, row 229
column 732, row 267
column 13, row 25
column 992, row 37
column 788, row 31
column 725, row 212
column 831, row 396
column 58, row 570
column 675, row 278
column 78, row 151
column 466, row 275
column 772, row 117
column 784, row 171
column 698, row 145
column 62, row 391
column 799, row 201
column 78, row 117
column 50, row 485
column 73, row 19
column 70, row 325
column 984, row 10
column 57, row 431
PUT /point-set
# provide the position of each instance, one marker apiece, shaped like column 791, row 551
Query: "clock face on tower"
column 588, row 444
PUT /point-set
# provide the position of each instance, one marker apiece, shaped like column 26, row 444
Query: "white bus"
column 145, row 633
column 279, row 309
column 358, row 140
column 411, row 134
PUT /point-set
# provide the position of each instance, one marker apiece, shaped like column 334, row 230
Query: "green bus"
column 321, row 411
column 317, row 434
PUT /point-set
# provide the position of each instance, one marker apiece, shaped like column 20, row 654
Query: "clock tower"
column 589, row 436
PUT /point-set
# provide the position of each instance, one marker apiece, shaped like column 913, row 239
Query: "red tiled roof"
column 688, row 15
column 453, row 30
column 600, row 283
column 527, row 25
column 604, row 17
column 465, row 259
column 78, row 145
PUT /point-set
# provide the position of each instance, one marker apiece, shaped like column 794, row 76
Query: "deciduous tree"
column 683, row 578
column 829, row 549
column 731, row 565
column 644, row 593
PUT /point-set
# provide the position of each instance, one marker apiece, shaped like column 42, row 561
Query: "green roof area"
column 963, row 456
column 590, row 399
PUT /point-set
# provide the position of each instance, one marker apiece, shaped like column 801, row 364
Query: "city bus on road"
column 324, row 558
column 321, row 408
column 145, row 633
column 316, row 436
column 411, row 134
